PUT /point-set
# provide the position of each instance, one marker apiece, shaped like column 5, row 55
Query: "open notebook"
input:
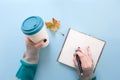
column 75, row 39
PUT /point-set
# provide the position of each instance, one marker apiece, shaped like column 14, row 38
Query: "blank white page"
column 75, row 39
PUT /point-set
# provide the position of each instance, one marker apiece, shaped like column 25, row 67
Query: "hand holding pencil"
column 84, row 64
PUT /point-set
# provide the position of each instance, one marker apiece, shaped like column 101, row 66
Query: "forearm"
column 87, row 74
column 29, row 63
column 31, row 55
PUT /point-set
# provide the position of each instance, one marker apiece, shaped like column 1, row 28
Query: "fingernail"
column 45, row 40
column 76, row 50
column 78, row 47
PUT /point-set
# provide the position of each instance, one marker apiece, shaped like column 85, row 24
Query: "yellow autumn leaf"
column 53, row 25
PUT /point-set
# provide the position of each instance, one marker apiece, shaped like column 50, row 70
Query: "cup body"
column 34, row 28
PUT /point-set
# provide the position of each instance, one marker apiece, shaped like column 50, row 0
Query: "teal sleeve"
column 26, row 71
column 92, row 79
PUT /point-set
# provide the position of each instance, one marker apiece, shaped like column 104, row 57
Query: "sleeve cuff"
column 26, row 71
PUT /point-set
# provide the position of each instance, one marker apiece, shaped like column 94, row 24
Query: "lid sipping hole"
column 34, row 25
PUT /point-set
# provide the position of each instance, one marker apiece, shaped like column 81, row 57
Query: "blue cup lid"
column 32, row 25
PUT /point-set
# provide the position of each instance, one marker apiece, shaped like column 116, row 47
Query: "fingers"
column 85, row 57
column 36, row 45
column 78, row 49
column 28, row 41
column 39, row 44
column 74, row 60
column 89, row 57
column 89, row 52
column 79, row 52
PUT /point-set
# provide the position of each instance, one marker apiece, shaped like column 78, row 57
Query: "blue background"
column 99, row 18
